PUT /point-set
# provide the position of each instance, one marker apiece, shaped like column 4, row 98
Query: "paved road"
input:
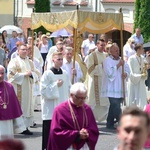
column 107, row 139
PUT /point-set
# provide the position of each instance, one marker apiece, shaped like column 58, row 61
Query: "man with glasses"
column 94, row 78
column 73, row 124
column 86, row 45
column 55, row 86
column 22, row 75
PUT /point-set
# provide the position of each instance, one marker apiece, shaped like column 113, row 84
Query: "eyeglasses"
column 78, row 97
column 60, row 59
column 102, row 45
column 59, row 44
column 24, row 49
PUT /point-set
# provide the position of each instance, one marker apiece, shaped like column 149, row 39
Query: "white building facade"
column 25, row 8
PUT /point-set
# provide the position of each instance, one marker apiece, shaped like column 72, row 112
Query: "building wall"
column 25, row 10
column 6, row 12
column 127, row 10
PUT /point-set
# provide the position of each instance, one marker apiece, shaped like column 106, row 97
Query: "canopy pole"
column 74, row 51
column 32, row 46
column 74, row 46
column 121, row 38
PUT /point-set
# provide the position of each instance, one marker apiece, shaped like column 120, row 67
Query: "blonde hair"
column 68, row 49
column 130, row 40
column 108, row 46
column 43, row 36
column 57, row 54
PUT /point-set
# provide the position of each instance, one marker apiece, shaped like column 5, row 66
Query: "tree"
column 42, row 6
column 142, row 18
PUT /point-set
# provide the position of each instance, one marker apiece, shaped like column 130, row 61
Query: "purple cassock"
column 9, row 104
column 63, row 133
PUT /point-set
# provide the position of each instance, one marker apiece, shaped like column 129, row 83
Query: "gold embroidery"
column 96, row 86
column 95, row 63
column 91, row 69
column 96, row 89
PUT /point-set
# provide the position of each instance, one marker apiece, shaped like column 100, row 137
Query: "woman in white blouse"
column 43, row 47
column 128, row 49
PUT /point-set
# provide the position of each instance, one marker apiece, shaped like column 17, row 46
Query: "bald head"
column 2, row 67
column 2, row 73
column 90, row 37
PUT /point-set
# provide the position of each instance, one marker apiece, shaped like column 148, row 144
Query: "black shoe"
column 36, row 110
column 111, row 127
column 34, row 125
column 27, row 132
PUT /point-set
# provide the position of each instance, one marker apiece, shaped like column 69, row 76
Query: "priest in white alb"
column 22, row 75
column 94, row 79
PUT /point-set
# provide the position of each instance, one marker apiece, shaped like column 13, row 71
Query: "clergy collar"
column 56, row 71
column 113, row 57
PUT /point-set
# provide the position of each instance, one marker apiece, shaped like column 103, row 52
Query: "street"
column 107, row 139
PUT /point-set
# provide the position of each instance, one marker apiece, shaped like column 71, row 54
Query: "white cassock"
column 52, row 95
column 11, row 127
column 36, row 87
column 49, row 61
column 136, row 86
column 99, row 105
column 68, row 67
column 38, row 56
column 112, row 78
column 23, row 85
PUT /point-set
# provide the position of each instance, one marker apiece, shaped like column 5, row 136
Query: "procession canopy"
column 93, row 22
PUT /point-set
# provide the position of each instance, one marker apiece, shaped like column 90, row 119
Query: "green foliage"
column 42, row 6
column 142, row 18
column 137, row 12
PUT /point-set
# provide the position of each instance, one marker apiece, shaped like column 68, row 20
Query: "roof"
column 58, row 2
column 118, row 1
column 30, row 2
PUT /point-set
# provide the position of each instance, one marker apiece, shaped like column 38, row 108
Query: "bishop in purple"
column 10, row 110
column 73, row 123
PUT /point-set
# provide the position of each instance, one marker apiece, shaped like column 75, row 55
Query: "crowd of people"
column 41, row 75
